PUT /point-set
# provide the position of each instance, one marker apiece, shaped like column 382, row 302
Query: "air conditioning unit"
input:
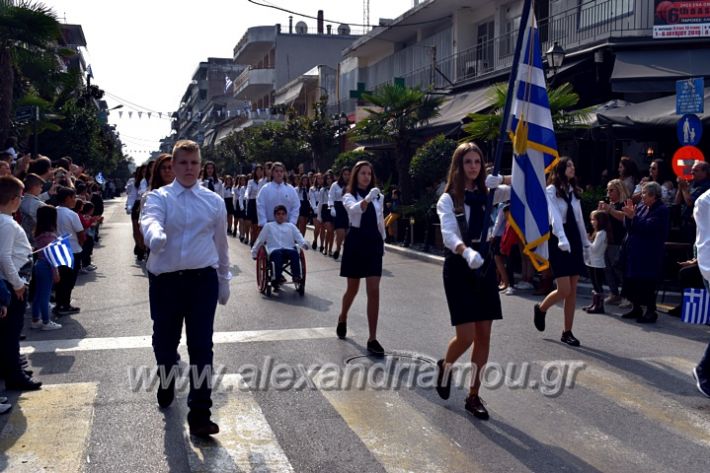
column 301, row 28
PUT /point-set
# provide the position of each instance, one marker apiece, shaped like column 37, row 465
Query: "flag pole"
column 524, row 19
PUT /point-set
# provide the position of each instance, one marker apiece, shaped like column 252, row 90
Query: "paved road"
column 632, row 405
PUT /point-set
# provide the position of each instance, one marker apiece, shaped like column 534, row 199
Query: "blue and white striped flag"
column 59, row 252
column 534, row 150
column 696, row 306
column 100, row 179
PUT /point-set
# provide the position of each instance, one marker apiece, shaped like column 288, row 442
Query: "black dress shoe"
column 475, row 406
column 203, row 428
column 22, row 384
column 648, row 318
column 632, row 314
column 322, row 249
column 569, row 339
column 374, row 347
column 166, row 395
column 539, row 319
column 336, row 254
column 342, row 330
column 28, row 373
column 443, row 387
column 314, row 245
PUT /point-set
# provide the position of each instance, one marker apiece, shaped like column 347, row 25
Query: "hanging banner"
column 681, row 19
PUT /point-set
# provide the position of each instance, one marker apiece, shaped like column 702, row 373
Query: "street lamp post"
column 555, row 57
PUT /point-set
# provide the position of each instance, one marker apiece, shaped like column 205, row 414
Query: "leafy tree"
column 486, row 126
column 397, row 113
column 321, row 134
column 431, row 161
column 28, row 32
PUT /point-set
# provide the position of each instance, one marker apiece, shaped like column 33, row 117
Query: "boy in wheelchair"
column 281, row 239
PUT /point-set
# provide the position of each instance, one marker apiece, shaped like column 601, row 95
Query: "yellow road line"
column 48, row 430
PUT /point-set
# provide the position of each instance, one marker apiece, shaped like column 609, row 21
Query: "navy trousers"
column 10, row 329
column 279, row 256
column 189, row 295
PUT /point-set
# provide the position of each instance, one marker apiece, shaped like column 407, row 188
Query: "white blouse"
column 355, row 211
column 335, row 194
column 557, row 210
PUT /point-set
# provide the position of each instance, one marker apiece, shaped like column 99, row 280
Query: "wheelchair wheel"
column 262, row 277
column 301, row 286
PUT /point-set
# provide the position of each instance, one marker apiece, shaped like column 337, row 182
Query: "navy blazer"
column 645, row 241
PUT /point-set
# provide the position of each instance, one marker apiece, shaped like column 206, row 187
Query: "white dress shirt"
column 216, row 183
column 335, row 194
column 131, row 193
column 450, row 233
column 557, row 210
column 355, row 211
column 597, row 250
column 239, row 198
column 273, row 194
column 227, row 192
column 142, row 188
column 194, row 221
column 277, row 236
column 254, row 187
column 15, row 251
column 313, row 198
column 68, row 222
column 323, row 196
column 701, row 214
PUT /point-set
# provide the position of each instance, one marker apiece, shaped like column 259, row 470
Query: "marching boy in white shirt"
column 281, row 238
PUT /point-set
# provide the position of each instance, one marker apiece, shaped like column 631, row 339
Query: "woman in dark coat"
column 647, row 225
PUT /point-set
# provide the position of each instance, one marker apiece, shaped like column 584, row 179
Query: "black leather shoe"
column 374, row 347
column 22, row 384
column 342, row 330
column 676, row 311
column 648, row 318
column 702, row 382
column 632, row 314
column 166, row 395
column 443, row 387
column 336, row 254
column 314, row 245
column 539, row 319
column 28, row 373
column 203, row 428
column 569, row 339
column 475, row 406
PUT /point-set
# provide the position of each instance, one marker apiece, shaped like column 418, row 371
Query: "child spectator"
column 595, row 259
column 89, row 222
column 68, row 223
column 44, row 273
column 281, row 238
column 30, row 203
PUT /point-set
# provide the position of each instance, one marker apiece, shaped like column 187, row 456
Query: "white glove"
column 374, row 194
column 157, row 244
column 223, row 296
column 473, row 258
column 563, row 245
column 332, row 212
column 494, row 180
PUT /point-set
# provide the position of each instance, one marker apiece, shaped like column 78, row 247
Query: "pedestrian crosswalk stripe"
column 398, row 435
column 246, row 441
column 48, row 430
column 637, row 397
column 145, row 341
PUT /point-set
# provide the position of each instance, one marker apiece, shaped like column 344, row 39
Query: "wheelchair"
column 265, row 273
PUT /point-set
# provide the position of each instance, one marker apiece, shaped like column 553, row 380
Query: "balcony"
column 254, row 83
column 255, row 44
column 588, row 24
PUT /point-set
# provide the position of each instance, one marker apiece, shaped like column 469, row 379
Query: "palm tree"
column 25, row 28
column 399, row 111
column 486, row 126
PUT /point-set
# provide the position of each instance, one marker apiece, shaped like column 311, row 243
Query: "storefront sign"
column 690, row 130
column 683, row 161
column 681, row 19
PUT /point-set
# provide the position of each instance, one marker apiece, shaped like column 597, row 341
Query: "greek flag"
column 696, row 306
column 100, row 179
column 534, row 150
column 59, row 252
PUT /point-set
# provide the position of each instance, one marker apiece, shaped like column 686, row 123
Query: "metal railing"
column 589, row 23
column 243, row 78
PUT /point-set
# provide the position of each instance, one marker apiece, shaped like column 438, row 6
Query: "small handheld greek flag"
column 696, row 306
column 100, row 179
column 59, row 252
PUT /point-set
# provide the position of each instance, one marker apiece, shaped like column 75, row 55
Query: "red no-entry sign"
column 683, row 161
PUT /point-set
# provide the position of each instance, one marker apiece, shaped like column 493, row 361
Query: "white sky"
column 146, row 51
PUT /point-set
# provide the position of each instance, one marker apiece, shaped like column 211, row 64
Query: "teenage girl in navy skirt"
column 314, row 199
column 304, row 212
column 567, row 245
column 327, row 231
column 239, row 204
column 337, row 210
column 470, row 281
column 253, row 187
column 364, row 249
column 228, row 196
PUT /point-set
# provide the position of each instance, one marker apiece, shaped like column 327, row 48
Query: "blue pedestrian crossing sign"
column 690, row 130
column 690, row 96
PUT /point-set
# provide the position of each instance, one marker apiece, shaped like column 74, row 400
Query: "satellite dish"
column 343, row 29
column 301, row 27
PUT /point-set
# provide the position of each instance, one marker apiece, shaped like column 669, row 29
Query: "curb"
column 414, row 254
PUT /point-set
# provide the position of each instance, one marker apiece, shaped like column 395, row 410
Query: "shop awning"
column 652, row 113
column 456, row 107
column 287, row 95
column 657, row 70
